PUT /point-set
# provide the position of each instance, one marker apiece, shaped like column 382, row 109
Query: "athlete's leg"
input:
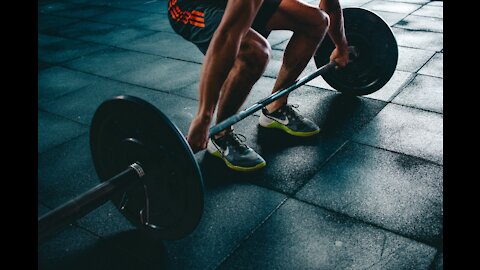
column 309, row 25
column 249, row 66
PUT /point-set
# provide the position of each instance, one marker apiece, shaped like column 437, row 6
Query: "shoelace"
column 236, row 140
column 291, row 111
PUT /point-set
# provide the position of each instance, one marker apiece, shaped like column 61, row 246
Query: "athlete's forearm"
column 336, row 31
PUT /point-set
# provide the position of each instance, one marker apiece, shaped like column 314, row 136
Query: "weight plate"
column 377, row 51
column 169, row 199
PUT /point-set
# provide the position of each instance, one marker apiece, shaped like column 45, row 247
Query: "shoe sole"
column 238, row 168
column 264, row 122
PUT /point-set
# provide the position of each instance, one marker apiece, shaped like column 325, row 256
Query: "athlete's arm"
column 219, row 59
column 336, row 31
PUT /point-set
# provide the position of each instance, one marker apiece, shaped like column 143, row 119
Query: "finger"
column 337, row 64
column 195, row 149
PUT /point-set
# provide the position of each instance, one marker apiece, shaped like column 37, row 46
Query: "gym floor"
column 367, row 193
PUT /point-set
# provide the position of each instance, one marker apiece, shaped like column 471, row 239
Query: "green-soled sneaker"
column 236, row 155
column 289, row 120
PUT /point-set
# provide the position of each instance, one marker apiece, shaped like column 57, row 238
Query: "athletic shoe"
column 236, row 155
column 289, row 120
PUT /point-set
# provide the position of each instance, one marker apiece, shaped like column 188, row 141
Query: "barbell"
column 146, row 166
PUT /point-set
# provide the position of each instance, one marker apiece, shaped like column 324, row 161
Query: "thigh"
column 266, row 11
column 294, row 15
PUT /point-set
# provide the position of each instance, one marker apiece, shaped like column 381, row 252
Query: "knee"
column 255, row 55
column 320, row 27
column 261, row 54
column 324, row 18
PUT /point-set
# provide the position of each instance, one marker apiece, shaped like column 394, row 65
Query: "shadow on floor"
column 126, row 250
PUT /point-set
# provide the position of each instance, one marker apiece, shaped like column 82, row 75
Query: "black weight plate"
column 169, row 199
column 377, row 54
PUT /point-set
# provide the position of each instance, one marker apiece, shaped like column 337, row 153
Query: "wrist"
column 342, row 46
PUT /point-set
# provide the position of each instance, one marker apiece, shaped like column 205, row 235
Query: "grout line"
column 415, row 108
column 397, row 152
column 408, row 47
column 322, row 164
column 171, row 92
column 110, row 46
column 425, row 63
column 62, row 143
column 416, row 48
column 410, row 78
column 356, row 219
column 62, row 116
column 251, row 233
column 428, row 75
column 109, row 7
column 414, row 30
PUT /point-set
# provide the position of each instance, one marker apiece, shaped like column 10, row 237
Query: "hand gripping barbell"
column 146, row 166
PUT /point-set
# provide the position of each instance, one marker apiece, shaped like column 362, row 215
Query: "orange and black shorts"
column 197, row 20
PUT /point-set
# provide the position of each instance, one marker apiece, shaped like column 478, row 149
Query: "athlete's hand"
column 341, row 56
column 197, row 136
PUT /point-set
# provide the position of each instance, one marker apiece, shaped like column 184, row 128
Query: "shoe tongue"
column 278, row 112
column 289, row 109
column 224, row 139
column 286, row 108
column 228, row 136
column 235, row 141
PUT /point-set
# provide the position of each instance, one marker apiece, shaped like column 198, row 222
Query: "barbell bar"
column 146, row 166
column 90, row 200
